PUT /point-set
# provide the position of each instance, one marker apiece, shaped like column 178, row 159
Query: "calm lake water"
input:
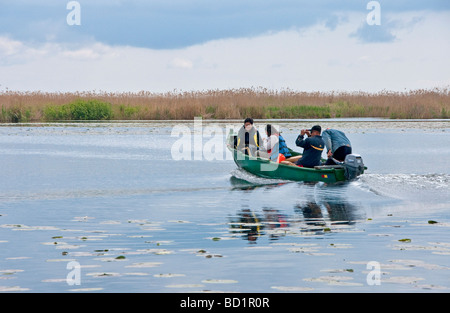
column 111, row 198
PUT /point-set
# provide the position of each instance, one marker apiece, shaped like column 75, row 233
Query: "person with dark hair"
column 270, row 143
column 248, row 120
column 248, row 138
column 275, row 144
column 312, row 146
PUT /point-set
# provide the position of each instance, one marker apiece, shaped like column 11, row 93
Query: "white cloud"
column 181, row 63
column 9, row 47
column 93, row 52
column 317, row 58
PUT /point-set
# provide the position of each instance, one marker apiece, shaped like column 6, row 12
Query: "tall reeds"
column 259, row 103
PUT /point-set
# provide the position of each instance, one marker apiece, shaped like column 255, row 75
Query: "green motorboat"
column 262, row 167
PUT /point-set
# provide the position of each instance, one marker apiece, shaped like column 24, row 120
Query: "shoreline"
column 238, row 121
column 235, row 104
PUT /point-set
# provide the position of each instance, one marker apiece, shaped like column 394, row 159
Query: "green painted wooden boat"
column 265, row 168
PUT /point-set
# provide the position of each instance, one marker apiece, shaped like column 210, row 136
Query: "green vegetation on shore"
column 258, row 103
column 79, row 110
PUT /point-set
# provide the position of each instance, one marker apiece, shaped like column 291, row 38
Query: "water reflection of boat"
column 251, row 225
column 315, row 213
column 325, row 216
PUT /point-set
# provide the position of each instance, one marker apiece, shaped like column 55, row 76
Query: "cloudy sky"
column 162, row 45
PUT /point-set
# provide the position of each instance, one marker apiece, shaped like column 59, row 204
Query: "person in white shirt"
column 271, row 142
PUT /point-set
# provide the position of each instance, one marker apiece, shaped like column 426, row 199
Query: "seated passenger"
column 248, row 137
column 282, row 146
column 312, row 146
column 275, row 145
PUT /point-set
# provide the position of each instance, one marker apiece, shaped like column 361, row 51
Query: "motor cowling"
column 354, row 166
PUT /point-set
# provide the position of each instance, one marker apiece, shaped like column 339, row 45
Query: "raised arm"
column 300, row 142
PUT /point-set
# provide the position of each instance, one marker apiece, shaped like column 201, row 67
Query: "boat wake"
column 412, row 187
column 241, row 176
column 419, row 188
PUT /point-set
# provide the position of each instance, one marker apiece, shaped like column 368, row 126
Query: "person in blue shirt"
column 338, row 145
column 283, row 148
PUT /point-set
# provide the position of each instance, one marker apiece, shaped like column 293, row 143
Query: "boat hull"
column 265, row 168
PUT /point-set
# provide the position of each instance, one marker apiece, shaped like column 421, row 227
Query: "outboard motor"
column 354, row 166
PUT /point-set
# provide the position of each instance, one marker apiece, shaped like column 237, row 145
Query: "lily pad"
column 103, row 274
column 219, row 281
column 402, row 280
column 292, row 288
column 169, row 275
column 12, row 288
column 185, row 286
column 86, row 289
column 145, row 264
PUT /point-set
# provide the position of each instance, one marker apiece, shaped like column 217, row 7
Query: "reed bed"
column 259, row 103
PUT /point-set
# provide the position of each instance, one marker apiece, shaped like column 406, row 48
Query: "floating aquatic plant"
column 219, row 281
